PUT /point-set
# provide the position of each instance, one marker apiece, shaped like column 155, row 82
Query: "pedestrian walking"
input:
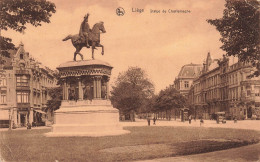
column 29, row 126
column 190, row 117
column 201, row 122
column 148, row 120
column 235, row 119
column 154, row 120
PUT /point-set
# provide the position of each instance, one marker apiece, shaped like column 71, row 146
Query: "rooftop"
column 190, row 71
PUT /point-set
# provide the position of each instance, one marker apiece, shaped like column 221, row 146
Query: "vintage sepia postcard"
column 129, row 80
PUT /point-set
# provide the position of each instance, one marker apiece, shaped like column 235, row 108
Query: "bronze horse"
column 93, row 40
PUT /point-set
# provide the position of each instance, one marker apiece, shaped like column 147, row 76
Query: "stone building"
column 185, row 78
column 23, row 87
column 224, row 85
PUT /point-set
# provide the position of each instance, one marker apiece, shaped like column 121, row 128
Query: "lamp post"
column 10, row 119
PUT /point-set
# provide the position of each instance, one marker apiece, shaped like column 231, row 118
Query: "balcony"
column 23, row 88
column 22, row 72
column 36, row 105
column 23, row 105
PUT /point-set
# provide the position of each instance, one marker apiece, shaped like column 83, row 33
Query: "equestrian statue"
column 87, row 37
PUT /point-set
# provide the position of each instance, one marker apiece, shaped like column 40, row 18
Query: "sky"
column 159, row 43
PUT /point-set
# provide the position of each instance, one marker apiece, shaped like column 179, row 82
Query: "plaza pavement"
column 241, row 124
column 241, row 154
column 24, row 128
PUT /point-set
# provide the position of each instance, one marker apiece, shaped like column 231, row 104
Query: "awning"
column 40, row 111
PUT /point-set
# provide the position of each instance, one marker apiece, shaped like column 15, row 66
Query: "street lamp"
column 10, row 119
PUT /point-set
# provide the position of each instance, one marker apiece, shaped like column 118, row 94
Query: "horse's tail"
column 67, row 38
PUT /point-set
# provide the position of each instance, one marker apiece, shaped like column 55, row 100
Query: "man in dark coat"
column 84, row 30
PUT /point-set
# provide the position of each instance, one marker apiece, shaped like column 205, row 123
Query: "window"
column 2, row 82
column 21, row 56
column 22, row 80
column 38, row 101
column 186, row 84
column 22, row 97
column 257, row 93
column 34, row 98
column 248, row 92
column 3, row 97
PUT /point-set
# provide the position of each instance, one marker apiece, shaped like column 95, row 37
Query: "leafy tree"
column 15, row 14
column 132, row 89
column 239, row 28
column 56, row 97
column 56, row 94
column 148, row 105
column 169, row 99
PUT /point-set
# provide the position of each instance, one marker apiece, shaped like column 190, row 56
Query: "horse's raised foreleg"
column 100, row 45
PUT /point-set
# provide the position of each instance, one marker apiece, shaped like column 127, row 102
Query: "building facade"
column 185, row 78
column 24, row 83
column 224, row 86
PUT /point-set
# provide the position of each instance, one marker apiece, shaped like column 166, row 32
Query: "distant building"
column 23, row 89
column 224, row 86
column 186, row 76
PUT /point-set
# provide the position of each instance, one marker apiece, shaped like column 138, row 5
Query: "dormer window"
column 21, row 56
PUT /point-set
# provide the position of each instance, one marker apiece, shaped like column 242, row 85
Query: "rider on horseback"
column 84, row 30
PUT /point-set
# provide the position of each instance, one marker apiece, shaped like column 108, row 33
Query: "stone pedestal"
column 86, row 118
column 85, row 109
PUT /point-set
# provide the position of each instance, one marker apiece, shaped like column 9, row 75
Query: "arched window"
column 21, row 56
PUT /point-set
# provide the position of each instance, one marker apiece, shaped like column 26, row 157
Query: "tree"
column 55, row 94
column 131, row 90
column 148, row 105
column 169, row 99
column 15, row 14
column 56, row 97
column 239, row 28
